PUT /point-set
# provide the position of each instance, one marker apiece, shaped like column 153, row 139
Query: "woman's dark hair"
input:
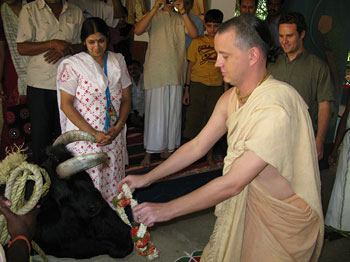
column 94, row 25
column 251, row 31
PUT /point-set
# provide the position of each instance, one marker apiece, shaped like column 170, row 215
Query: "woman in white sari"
column 94, row 96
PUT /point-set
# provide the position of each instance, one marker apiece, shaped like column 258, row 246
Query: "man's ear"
column 302, row 35
column 254, row 54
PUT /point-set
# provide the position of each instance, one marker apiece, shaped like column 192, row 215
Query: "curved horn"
column 74, row 135
column 79, row 163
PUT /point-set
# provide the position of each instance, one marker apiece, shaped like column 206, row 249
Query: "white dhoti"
column 163, row 119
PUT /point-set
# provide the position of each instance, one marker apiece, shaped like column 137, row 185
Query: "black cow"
column 75, row 221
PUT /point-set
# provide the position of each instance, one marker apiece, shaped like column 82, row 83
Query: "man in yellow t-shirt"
column 204, row 82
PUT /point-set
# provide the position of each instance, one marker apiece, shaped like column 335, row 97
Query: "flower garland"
column 139, row 234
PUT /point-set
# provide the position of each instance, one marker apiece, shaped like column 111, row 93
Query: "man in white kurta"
column 164, row 75
column 46, row 41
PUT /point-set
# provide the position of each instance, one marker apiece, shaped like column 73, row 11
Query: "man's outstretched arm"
column 242, row 172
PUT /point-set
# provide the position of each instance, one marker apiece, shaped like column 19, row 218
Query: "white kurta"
column 82, row 77
column 164, row 69
column 37, row 23
column 338, row 213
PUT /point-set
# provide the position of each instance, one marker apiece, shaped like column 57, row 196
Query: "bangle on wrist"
column 10, row 243
column 122, row 123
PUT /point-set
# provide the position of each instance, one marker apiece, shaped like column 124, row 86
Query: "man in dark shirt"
column 307, row 73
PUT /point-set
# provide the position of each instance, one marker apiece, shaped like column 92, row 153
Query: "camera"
column 170, row 2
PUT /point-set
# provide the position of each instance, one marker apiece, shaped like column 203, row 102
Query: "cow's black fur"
column 74, row 220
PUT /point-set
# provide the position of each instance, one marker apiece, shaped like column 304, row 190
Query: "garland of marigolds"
column 139, row 234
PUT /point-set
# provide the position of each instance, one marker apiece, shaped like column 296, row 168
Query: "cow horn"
column 79, row 163
column 74, row 135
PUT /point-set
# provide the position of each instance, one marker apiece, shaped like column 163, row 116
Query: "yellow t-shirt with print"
column 203, row 54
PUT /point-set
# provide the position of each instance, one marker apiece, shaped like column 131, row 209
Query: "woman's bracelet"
column 122, row 124
column 10, row 243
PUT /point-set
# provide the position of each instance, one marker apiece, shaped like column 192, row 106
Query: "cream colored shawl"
column 275, row 125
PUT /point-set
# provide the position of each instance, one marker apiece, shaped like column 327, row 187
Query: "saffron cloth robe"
column 275, row 124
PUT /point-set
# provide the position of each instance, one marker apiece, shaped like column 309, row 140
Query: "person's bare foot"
column 165, row 154
column 146, row 161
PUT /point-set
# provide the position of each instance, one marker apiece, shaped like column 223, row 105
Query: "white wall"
column 226, row 6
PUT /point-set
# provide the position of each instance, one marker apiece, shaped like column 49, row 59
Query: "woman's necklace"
column 243, row 99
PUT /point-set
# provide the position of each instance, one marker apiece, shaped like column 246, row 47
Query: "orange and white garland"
column 139, row 234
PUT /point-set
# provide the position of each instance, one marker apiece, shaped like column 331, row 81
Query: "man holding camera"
column 164, row 75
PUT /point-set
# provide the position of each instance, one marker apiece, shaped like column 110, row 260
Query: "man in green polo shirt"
column 307, row 73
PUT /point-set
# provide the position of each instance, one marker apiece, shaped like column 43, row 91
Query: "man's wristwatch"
column 186, row 85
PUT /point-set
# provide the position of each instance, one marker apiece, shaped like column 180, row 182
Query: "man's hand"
column 59, row 49
column 134, row 181
column 63, row 47
column 52, row 56
column 319, row 148
column 18, row 224
column 333, row 157
column 158, row 4
column 186, row 98
column 2, row 93
column 179, row 4
column 150, row 213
